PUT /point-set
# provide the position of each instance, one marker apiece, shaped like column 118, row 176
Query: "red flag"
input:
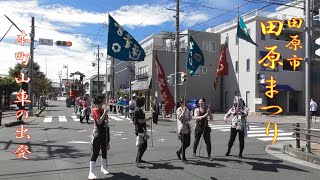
column 164, row 89
column 222, row 68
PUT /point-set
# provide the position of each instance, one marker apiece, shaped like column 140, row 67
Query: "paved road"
column 60, row 150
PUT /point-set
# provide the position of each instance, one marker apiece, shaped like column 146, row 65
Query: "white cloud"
column 80, row 55
column 194, row 18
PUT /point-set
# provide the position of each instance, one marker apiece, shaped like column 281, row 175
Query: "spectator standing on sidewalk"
column 238, row 123
column 155, row 111
column 313, row 109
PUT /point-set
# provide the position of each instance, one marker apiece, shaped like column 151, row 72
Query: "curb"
column 299, row 154
column 295, row 153
column 40, row 111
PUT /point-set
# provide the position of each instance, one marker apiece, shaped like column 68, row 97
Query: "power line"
column 219, row 15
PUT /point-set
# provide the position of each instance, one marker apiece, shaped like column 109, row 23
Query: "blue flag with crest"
column 195, row 57
column 121, row 45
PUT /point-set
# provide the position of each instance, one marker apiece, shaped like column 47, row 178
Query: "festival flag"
column 195, row 57
column 121, row 45
column 222, row 68
column 242, row 31
column 164, row 89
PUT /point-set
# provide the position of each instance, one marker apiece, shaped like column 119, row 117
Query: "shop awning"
column 142, row 84
column 278, row 87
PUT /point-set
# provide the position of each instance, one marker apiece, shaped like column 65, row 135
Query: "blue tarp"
column 278, row 87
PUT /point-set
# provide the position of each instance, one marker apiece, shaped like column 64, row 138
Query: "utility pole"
column 30, row 93
column 113, row 94
column 98, row 59
column 307, row 61
column 176, row 62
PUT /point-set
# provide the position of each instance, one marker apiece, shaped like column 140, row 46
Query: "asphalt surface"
column 61, row 151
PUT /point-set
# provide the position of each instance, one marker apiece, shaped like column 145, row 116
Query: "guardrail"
column 308, row 133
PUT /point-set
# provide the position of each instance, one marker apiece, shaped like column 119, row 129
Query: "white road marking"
column 83, row 130
column 48, row 119
column 278, row 139
column 115, row 118
column 75, row 118
column 270, row 135
column 62, row 119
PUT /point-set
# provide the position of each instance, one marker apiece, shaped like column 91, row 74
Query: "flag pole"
column 238, row 53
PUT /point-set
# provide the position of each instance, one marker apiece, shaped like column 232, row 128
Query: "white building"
column 243, row 64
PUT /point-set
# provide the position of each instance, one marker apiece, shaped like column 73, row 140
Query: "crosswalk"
column 257, row 132
column 50, row 119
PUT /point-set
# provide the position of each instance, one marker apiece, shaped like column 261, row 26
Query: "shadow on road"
column 204, row 163
column 165, row 165
column 123, row 176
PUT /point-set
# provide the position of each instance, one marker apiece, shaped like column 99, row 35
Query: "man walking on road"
column 313, row 109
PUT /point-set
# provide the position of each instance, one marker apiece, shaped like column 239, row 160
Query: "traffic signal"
column 170, row 79
column 64, row 43
column 183, row 77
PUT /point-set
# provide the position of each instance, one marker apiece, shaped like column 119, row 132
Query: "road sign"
column 48, row 42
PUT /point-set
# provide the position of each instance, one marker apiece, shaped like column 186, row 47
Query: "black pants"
column 155, row 117
column 206, row 136
column 233, row 134
column 141, row 149
column 185, row 143
column 100, row 143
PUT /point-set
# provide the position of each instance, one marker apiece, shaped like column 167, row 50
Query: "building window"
column 205, row 45
column 212, row 46
column 204, row 70
column 248, row 65
column 237, row 66
column 288, row 67
column 227, row 39
column 226, row 99
column 267, row 68
column 248, row 99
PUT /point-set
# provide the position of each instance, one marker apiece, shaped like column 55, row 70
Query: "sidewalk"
column 287, row 150
column 9, row 117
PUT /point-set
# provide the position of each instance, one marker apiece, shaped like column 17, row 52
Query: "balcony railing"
column 141, row 76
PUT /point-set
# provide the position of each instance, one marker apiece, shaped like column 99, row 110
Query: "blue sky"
column 81, row 21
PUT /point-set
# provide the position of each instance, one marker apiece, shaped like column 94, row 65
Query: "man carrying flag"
column 222, row 68
column 195, row 57
column 121, row 45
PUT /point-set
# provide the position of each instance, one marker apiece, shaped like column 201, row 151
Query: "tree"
column 7, row 86
column 41, row 85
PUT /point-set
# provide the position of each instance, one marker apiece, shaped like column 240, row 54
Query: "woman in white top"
column 183, row 127
column 238, row 123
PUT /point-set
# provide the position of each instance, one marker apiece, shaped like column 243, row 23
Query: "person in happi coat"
column 100, row 136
